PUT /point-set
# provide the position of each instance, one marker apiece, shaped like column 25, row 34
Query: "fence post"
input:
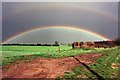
column 58, row 49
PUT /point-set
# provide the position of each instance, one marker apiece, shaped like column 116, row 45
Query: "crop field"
column 11, row 53
column 105, row 66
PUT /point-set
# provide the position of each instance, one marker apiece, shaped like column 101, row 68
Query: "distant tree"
column 56, row 43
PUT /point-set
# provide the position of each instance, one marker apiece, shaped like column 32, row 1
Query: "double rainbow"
column 59, row 27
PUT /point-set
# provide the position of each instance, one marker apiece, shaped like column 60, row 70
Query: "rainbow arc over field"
column 58, row 27
column 60, row 6
column 74, row 7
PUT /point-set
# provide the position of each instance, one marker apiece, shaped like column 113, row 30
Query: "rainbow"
column 52, row 6
column 73, row 6
column 64, row 27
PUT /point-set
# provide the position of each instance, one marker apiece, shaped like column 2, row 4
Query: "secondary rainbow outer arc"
column 64, row 27
column 75, row 7
column 96, row 11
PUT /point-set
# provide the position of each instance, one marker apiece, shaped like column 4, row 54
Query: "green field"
column 103, row 67
column 12, row 53
column 9, row 51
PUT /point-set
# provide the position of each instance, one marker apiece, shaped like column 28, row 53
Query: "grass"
column 104, row 64
column 103, row 67
column 9, row 51
column 13, row 53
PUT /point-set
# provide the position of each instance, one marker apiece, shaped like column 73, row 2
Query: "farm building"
column 99, row 44
column 83, row 45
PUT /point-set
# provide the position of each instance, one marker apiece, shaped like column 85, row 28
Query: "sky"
column 97, row 17
column 60, row 0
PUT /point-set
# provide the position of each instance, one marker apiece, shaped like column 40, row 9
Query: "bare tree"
column 56, row 43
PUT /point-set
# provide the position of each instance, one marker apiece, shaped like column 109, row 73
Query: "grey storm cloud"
column 97, row 17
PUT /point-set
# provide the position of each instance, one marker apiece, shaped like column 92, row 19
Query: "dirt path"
column 45, row 67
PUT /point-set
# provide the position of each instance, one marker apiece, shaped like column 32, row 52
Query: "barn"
column 98, row 44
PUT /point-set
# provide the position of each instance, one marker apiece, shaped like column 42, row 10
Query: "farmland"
column 102, row 65
column 11, row 53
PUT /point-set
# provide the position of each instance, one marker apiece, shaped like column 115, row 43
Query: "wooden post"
column 58, row 49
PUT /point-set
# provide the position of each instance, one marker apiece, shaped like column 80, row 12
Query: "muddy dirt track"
column 46, row 67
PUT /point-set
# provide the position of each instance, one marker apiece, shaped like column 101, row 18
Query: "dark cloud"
column 19, row 17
